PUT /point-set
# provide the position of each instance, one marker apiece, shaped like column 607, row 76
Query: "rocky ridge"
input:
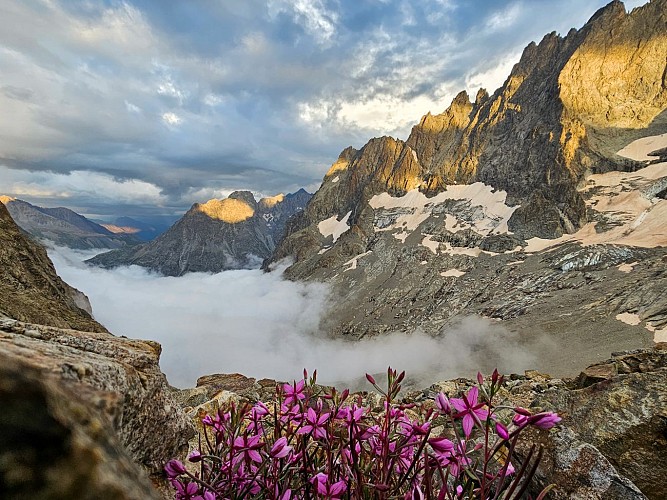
column 233, row 233
column 531, row 207
column 63, row 227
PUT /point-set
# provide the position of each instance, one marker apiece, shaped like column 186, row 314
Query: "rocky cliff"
column 63, row 227
column 233, row 233
column 30, row 289
column 541, row 206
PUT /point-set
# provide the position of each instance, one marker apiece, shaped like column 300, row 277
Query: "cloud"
column 262, row 325
column 171, row 118
column 253, row 94
column 313, row 15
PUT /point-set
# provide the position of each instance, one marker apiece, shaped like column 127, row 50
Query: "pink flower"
column 314, row 424
column 294, row 392
column 280, row 448
column 185, row 491
column 544, row 420
column 470, row 410
column 259, row 410
column 441, row 445
column 248, row 446
column 480, row 378
column 324, row 488
column 291, row 414
column 351, row 414
column 520, row 420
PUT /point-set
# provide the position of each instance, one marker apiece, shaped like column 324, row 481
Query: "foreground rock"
column 118, row 380
column 234, row 233
column 30, row 289
column 55, row 443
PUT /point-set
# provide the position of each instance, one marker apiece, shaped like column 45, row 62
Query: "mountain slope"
column 63, row 226
column 233, row 233
column 457, row 220
column 30, row 289
column 127, row 225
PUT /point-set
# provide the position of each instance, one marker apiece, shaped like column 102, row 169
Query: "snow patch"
column 470, row 252
column 496, row 212
column 353, row 261
column 660, row 336
column 627, row 268
column 335, row 180
column 452, row 273
column 629, row 319
column 430, row 244
column 639, row 149
column 484, row 211
column 637, row 219
column 334, row 227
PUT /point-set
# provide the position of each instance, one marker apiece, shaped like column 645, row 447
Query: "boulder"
column 118, row 379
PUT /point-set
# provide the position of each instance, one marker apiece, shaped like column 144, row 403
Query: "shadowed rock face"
column 54, row 445
column 233, row 233
column 129, row 412
column 30, row 289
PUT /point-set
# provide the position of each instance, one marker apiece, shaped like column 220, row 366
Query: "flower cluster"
column 314, row 442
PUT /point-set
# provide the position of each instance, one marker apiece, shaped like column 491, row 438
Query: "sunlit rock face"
column 229, row 210
column 485, row 208
column 233, row 233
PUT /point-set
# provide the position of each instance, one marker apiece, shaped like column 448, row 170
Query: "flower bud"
column 370, row 378
column 501, row 430
column 174, row 468
column 442, row 403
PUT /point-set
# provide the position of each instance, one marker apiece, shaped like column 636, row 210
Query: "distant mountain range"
column 64, row 226
column 142, row 230
column 233, row 233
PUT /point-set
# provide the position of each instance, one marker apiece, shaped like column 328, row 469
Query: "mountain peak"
column 230, row 210
column 246, row 196
column 271, row 201
column 6, row 199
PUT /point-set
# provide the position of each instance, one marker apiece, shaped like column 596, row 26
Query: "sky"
column 144, row 107
column 262, row 325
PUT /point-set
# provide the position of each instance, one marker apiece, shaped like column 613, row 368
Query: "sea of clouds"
column 262, row 325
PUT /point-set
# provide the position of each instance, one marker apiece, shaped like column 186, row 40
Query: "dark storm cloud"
column 199, row 98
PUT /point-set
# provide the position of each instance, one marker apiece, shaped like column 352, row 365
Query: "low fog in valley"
column 262, row 325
